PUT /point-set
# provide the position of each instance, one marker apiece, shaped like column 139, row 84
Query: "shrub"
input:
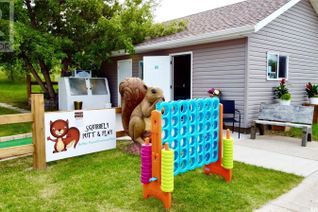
column 286, row 97
column 311, row 90
column 281, row 90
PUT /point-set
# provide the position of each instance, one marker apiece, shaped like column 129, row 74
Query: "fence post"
column 39, row 161
column 28, row 86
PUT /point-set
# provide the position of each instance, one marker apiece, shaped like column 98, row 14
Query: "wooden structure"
column 285, row 115
column 37, row 148
column 29, row 84
column 315, row 119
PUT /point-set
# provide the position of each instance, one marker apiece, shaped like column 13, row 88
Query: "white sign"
column 69, row 134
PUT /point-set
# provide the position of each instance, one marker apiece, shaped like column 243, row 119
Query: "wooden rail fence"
column 37, row 148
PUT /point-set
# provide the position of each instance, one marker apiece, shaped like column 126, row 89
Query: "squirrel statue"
column 137, row 102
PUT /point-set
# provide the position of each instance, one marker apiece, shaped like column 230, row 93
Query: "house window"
column 277, row 66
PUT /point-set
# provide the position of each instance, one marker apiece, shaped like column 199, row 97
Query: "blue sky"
column 171, row 9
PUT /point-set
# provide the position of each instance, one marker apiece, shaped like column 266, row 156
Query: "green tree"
column 14, row 71
column 78, row 34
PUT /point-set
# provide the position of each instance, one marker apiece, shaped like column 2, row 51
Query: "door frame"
column 118, row 61
column 172, row 70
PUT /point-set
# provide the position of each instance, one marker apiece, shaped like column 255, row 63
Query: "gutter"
column 222, row 35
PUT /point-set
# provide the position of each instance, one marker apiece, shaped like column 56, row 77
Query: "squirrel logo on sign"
column 65, row 137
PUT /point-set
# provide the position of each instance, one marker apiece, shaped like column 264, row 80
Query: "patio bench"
column 287, row 116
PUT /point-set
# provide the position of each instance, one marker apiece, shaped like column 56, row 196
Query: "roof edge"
column 222, row 35
column 260, row 25
column 315, row 5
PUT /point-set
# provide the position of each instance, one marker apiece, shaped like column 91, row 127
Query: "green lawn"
column 109, row 181
column 297, row 132
column 14, row 93
column 12, row 129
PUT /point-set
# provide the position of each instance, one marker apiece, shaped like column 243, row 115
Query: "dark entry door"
column 182, row 76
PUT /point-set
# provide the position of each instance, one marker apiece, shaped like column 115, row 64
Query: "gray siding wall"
column 110, row 70
column 220, row 65
column 294, row 33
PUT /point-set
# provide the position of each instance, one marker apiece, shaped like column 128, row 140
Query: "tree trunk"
column 34, row 73
column 31, row 12
column 66, row 62
column 48, row 81
column 11, row 75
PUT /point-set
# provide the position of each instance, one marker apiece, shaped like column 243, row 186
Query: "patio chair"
column 229, row 114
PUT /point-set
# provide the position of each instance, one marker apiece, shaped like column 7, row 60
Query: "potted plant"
column 282, row 93
column 312, row 93
column 285, row 99
column 213, row 92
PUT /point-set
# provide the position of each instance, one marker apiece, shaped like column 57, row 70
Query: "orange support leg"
column 153, row 188
column 216, row 167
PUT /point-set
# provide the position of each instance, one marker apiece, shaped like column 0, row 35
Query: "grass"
column 297, row 132
column 13, row 129
column 14, row 93
column 109, row 181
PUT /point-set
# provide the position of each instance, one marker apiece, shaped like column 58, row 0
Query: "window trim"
column 287, row 66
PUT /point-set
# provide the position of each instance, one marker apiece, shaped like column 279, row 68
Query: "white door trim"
column 191, row 71
column 118, row 82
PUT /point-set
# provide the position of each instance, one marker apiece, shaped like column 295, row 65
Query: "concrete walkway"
column 302, row 198
column 284, row 154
